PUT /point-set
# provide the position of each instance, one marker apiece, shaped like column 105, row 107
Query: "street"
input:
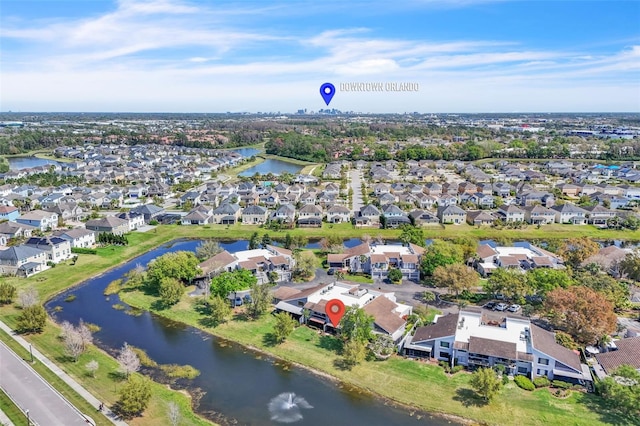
column 31, row 392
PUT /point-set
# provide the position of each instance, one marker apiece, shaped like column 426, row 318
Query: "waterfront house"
column 22, row 261
column 451, row 214
column 570, row 213
column 108, row 224
column 78, row 237
column 57, row 249
column 254, row 215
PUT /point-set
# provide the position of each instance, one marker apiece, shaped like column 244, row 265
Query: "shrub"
column 524, row 383
column 541, row 382
column 505, row 379
column 561, row 385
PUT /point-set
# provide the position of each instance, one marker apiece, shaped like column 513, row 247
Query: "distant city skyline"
column 201, row 56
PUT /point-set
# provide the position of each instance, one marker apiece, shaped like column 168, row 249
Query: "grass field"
column 11, row 410
column 430, row 388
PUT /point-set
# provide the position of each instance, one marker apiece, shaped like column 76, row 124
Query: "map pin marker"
column 327, row 90
column 334, row 310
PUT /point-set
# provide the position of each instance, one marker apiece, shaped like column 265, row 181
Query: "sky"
column 270, row 56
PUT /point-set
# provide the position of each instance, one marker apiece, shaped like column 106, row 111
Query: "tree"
column 630, row 265
column 32, row 319
column 92, row 366
column 260, row 300
column 219, row 309
column 134, row 397
column 383, row 346
column 510, row 282
column 617, row 292
column 621, row 391
column 266, row 240
column 440, row 253
column 456, row 277
column 76, row 339
column 305, row 264
column 128, row 360
column 486, row 383
column 356, row 324
column 207, row 249
column 543, row 280
column 581, row 312
column 576, row 250
column 170, row 291
column 284, row 326
column 254, row 241
column 7, row 293
column 413, row 235
column 332, row 244
column 173, row 412
column 354, row 352
column 227, row 282
column 27, row 297
column 181, row 265
column 395, row 275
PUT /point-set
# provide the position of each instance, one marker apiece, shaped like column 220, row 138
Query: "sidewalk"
column 64, row 376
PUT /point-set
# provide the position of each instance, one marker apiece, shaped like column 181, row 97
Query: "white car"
column 514, row 308
column 501, row 307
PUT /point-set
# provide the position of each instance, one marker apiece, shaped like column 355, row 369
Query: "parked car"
column 237, row 301
column 331, row 271
column 501, row 307
column 489, row 305
column 247, row 299
column 514, row 308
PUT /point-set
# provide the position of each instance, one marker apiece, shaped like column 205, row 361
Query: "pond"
column 272, row 166
column 247, row 152
column 19, row 163
column 236, row 385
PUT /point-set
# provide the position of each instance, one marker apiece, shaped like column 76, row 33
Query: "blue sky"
column 217, row 56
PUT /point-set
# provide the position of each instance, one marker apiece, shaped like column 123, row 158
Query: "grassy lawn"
column 358, row 278
column 431, row 388
column 11, row 410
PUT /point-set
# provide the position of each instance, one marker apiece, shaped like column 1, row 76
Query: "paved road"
column 356, row 185
column 46, row 407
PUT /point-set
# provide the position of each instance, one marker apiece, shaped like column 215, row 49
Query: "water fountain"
column 285, row 408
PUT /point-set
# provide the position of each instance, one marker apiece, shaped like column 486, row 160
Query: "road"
column 356, row 184
column 31, row 392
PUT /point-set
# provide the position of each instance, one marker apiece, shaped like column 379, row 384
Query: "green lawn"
column 431, row 389
column 11, row 410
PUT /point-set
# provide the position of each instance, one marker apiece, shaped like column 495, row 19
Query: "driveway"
column 31, row 392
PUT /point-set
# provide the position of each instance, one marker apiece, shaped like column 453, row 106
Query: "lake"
column 246, row 152
column 236, row 384
column 272, row 166
column 19, row 163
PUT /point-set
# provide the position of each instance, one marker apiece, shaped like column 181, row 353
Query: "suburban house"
column 620, row 352
column 15, row 230
column 148, row 211
column 78, row 237
column 522, row 256
column 39, row 219
column 479, row 338
column 389, row 316
column 599, row 215
column 22, row 261
column 136, row 220
column 338, row 213
column 9, row 213
column 570, row 213
column 480, row 217
column 538, row 215
column 510, row 213
column 368, row 215
column 452, row 214
column 108, row 224
column 378, row 259
column 57, row 249
column 310, row 215
column 226, row 214
column 259, row 261
column 254, row 215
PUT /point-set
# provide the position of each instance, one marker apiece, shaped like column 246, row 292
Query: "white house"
column 479, row 338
